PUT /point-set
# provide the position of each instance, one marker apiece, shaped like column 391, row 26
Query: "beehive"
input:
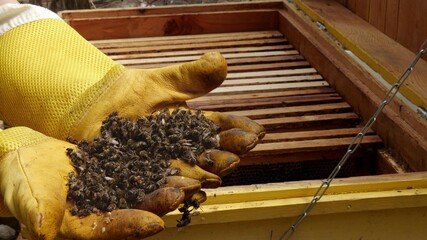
column 312, row 98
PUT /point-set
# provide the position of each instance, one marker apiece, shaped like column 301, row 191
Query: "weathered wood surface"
column 399, row 126
column 379, row 51
column 268, row 81
column 194, row 8
column 175, row 24
column 403, row 21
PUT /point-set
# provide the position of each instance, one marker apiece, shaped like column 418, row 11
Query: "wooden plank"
column 269, row 219
column 236, row 68
column 302, row 189
column 392, row 13
column 293, row 111
column 279, row 101
column 380, row 52
column 125, row 12
column 330, row 144
column 184, row 39
column 412, row 24
column 260, row 95
column 272, row 73
column 310, row 121
column 284, row 48
column 155, row 48
column 268, row 80
column 270, row 66
column 266, row 58
column 178, row 24
column 272, row 56
column 260, row 53
column 270, row 87
column 377, row 14
column 359, row 7
column 314, row 134
column 239, row 68
column 364, row 196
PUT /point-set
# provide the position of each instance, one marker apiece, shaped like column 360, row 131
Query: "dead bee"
column 186, row 210
column 131, row 158
column 185, row 219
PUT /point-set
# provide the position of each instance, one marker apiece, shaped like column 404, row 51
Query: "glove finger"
column 118, row 224
column 207, row 179
column 188, row 185
column 199, row 197
column 218, row 162
column 162, row 201
column 237, row 140
column 168, row 198
column 226, row 121
column 192, row 79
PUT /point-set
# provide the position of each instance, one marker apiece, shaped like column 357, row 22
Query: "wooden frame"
column 263, row 211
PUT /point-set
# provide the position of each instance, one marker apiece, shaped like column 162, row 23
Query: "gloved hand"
column 66, row 87
column 34, row 174
column 70, row 89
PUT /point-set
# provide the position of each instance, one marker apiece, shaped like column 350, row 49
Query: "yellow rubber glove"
column 61, row 85
column 34, row 174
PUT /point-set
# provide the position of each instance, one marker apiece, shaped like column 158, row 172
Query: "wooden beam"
column 176, row 24
column 161, row 10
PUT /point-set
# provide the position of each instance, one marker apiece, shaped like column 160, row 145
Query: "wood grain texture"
column 161, row 10
column 398, row 123
column 360, row 7
column 403, row 21
column 376, row 49
column 412, row 24
column 378, row 14
column 178, row 24
column 392, row 18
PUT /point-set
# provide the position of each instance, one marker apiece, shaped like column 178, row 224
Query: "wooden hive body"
column 311, row 96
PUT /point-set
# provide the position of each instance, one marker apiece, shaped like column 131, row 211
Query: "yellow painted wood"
column 377, row 50
column 270, row 191
column 388, row 224
column 365, row 205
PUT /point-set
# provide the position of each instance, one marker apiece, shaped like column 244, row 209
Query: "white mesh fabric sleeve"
column 13, row 15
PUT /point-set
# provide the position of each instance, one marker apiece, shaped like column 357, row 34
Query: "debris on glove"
column 131, row 158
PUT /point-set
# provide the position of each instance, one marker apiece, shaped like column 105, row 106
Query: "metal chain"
column 357, row 140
